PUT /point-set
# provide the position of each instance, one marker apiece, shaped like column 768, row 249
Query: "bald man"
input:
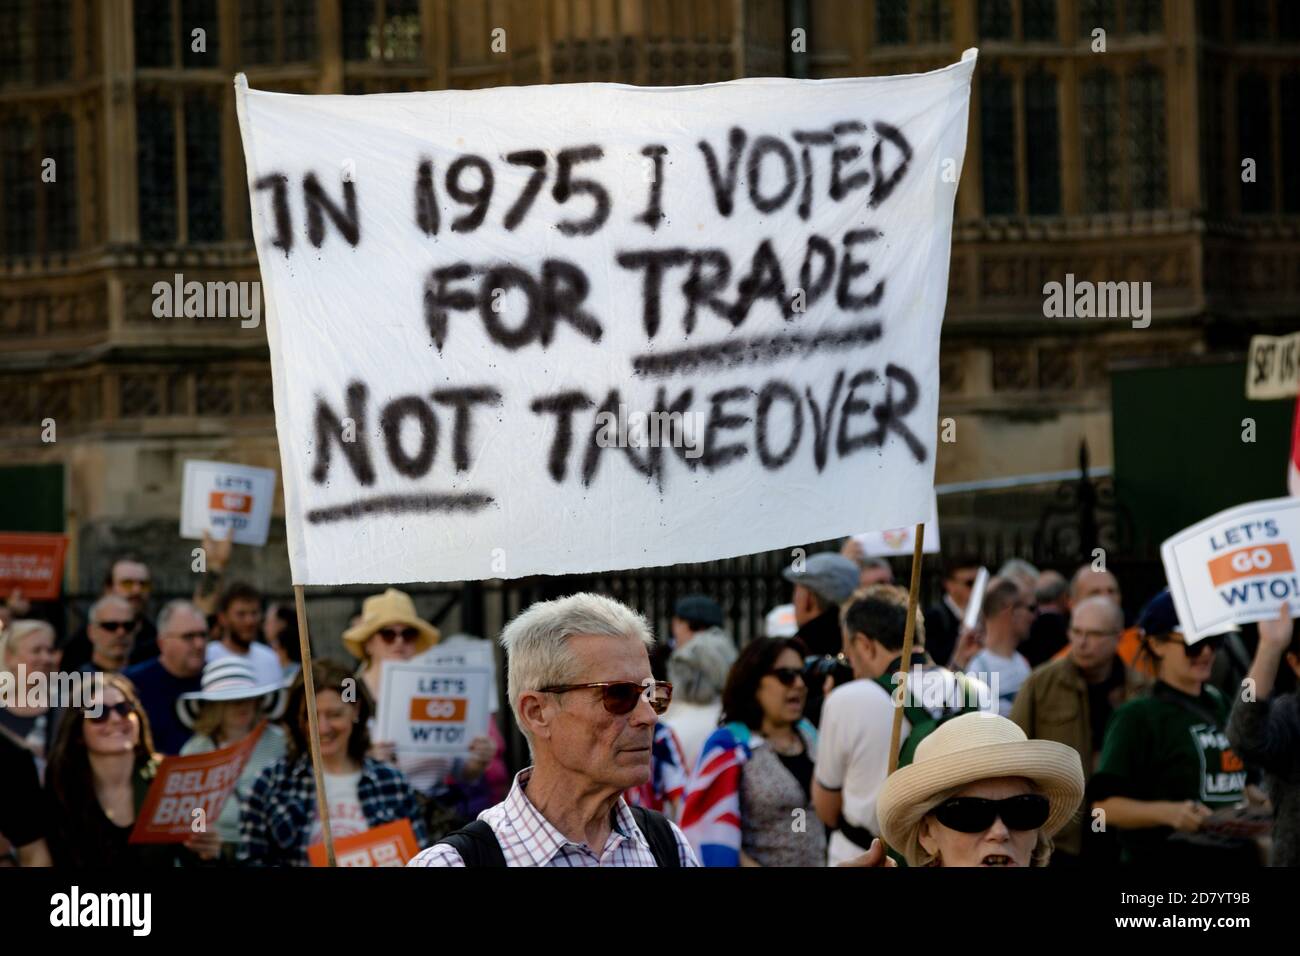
column 1069, row 700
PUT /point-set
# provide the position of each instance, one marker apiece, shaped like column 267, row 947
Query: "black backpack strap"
column 476, row 844
column 659, row 834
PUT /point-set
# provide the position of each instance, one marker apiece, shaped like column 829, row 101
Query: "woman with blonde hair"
column 980, row 793
column 27, row 649
column 225, row 710
column 390, row 630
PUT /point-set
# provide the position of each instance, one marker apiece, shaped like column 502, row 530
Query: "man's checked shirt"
column 528, row 839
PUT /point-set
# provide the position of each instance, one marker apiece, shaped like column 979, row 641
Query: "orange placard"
column 437, row 709
column 33, row 563
column 230, row 501
column 185, row 784
column 1250, row 561
column 391, row 844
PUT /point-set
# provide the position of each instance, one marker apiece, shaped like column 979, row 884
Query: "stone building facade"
column 1116, row 165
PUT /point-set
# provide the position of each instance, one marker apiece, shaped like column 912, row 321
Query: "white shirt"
column 1003, row 675
column 346, row 818
column 260, row 657
column 853, row 756
column 693, row 724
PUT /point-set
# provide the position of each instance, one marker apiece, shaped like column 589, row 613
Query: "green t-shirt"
column 1167, row 746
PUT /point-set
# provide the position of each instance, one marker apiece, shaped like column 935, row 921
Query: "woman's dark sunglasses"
column 621, row 696
column 1029, row 811
column 122, row 708
column 787, row 675
column 1194, row 650
column 390, row 634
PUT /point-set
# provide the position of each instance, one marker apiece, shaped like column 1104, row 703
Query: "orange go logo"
column 438, row 709
column 1247, row 562
column 230, row 501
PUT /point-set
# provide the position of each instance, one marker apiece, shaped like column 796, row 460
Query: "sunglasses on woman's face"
column 121, row 708
column 1029, row 811
column 787, row 675
column 390, row 634
column 1194, row 650
column 620, row 696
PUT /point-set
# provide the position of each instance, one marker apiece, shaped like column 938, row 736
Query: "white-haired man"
column 579, row 684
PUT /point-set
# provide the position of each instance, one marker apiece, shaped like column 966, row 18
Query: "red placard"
column 184, row 784
column 391, row 844
column 33, row 563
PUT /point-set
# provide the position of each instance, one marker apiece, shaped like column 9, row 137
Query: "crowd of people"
column 1050, row 731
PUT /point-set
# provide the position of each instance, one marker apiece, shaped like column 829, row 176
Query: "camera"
column 817, row 667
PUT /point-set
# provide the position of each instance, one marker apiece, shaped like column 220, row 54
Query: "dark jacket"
column 1053, row 705
column 1266, row 733
column 941, row 629
column 821, row 636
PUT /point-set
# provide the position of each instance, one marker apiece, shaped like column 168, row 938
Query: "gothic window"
column 1099, row 122
column 1255, row 139
column 382, row 30
column 1042, row 146
column 1146, row 118
column 203, row 167
column 156, row 167
column 278, row 31
column 891, row 22
column 1039, row 19
column 59, row 143
column 20, row 174
column 998, row 144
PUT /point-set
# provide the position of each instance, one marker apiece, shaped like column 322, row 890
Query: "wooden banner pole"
column 908, row 634
column 313, row 725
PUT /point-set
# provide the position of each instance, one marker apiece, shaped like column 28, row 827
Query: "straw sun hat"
column 393, row 607
column 967, row 749
column 231, row 678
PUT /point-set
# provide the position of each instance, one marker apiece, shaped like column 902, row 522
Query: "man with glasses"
column 178, row 669
column 129, row 580
column 110, row 630
column 239, row 615
column 1070, row 700
column 579, row 683
column 1008, row 614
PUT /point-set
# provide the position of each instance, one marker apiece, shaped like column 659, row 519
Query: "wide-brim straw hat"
column 966, row 749
column 231, row 678
column 393, row 607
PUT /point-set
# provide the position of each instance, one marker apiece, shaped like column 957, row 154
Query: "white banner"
column 900, row 542
column 561, row 329
column 433, row 710
column 1235, row 567
column 222, row 499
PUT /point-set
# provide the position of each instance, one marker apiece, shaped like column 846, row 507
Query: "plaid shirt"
column 528, row 839
column 277, row 818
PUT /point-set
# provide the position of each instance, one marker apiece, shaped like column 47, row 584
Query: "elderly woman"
column 754, row 778
column 698, row 672
column 27, row 649
column 225, row 710
column 390, row 630
column 279, row 820
column 980, row 793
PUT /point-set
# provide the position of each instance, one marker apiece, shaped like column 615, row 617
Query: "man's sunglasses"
column 122, row 708
column 1028, row 811
column 621, row 696
column 787, row 675
column 391, row 634
column 115, row 626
